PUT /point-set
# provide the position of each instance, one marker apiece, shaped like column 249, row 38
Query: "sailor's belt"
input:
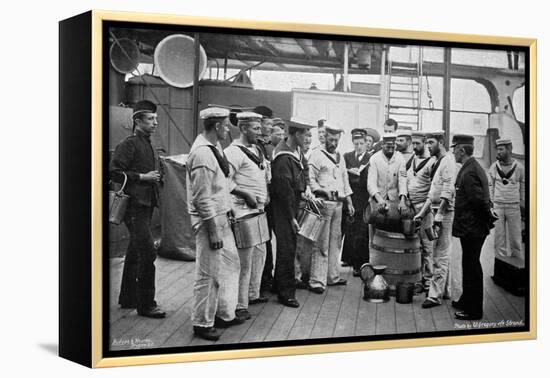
column 333, row 197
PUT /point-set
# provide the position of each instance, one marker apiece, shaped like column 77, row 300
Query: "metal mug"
column 408, row 226
column 431, row 233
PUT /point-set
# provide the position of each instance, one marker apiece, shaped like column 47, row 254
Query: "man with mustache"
column 441, row 199
column 403, row 144
column 387, row 178
column 418, row 184
column 473, row 220
column 329, row 180
column 508, row 196
column 248, row 187
column 217, row 264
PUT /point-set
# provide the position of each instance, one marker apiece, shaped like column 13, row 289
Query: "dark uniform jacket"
column 135, row 155
column 358, row 184
column 472, row 204
column 288, row 181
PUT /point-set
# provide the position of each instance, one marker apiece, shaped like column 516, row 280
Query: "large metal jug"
column 376, row 289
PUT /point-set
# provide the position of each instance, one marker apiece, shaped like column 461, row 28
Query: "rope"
column 429, row 94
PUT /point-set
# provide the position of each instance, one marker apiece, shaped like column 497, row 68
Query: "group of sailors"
column 275, row 168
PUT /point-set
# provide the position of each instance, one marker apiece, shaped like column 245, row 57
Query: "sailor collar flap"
column 506, row 176
column 283, row 149
column 256, row 159
column 329, row 156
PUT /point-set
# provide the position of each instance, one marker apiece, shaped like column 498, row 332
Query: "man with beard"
column 403, row 144
column 217, row 262
column 248, row 187
column 473, row 220
column 508, row 196
column 440, row 199
column 418, row 184
column 387, row 179
column 356, row 240
column 329, row 180
column 288, row 183
column 135, row 162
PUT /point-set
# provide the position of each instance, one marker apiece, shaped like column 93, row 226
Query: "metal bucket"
column 250, row 230
column 118, row 202
column 401, row 255
column 311, row 224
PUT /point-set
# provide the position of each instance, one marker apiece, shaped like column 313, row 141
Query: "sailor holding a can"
column 441, row 200
column 217, row 264
column 248, row 188
column 329, row 180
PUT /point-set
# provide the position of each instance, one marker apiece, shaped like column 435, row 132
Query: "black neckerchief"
column 420, row 166
column 337, row 161
column 409, row 163
column 222, row 160
column 258, row 161
column 436, row 165
column 505, row 176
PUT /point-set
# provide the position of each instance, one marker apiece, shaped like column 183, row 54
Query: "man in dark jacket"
column 288, row 182
column 135, row 160
column 473, row 220
column 356, row 241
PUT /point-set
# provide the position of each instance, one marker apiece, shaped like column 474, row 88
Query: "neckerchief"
column 409, row 163
column 222, row 160
column 420, row 166
column 436, row 165
column 505, row 176
column 258, row 161
column 337, row 161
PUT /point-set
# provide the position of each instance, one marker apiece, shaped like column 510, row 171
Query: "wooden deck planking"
column 286, row 319
column 442, row 319
column 500, row 298
column 326, row 320
column 175, row 294
column 385, row 318
column 176, row 320
column 404, row 318
column 165, row 270
column 263, row 322
column 491, row 314
column 347, row 316
column 339, row 312
column 236, row 333
column 366, row 318
column 177, row 281
column 241, row 332
column 423, row 317
column 306, row 320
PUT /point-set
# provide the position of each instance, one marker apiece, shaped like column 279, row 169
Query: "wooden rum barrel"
column 401, row 255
